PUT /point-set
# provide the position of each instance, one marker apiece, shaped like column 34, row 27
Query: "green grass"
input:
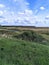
column 29, row 48
column 20, row 52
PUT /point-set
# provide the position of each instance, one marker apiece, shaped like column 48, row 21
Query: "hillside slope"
column 20, row 52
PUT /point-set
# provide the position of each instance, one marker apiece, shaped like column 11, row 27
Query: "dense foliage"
column 30, row 36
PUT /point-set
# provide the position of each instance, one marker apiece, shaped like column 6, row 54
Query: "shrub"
column 30, row 36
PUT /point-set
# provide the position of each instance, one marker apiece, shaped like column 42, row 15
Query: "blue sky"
column 24, row 12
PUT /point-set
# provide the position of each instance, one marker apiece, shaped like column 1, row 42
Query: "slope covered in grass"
column 18, row 52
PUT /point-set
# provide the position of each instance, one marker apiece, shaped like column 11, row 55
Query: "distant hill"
column 22, row 26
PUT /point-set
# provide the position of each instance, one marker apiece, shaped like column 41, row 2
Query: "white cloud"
column 2, row 5
column 1, row 12
column 42, row 8
column 23, row 16
column 21, row 5
column 19, row 16
column 47, row 17
column 27, row 3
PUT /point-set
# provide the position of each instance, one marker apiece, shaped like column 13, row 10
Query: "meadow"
column 24, row 46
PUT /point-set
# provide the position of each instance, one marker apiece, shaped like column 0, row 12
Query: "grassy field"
column 21, row 47
column 18, row 52
column 24, row 28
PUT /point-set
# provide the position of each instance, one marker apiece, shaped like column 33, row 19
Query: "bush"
column 30, row 36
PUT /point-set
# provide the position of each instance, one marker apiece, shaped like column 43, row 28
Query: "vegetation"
column 18, row 52
column 31, row 36
column 23, row 47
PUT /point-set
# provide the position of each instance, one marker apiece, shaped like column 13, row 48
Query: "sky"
column 24, row 12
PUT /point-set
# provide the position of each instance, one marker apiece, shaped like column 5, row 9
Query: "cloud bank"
column 19, row 13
